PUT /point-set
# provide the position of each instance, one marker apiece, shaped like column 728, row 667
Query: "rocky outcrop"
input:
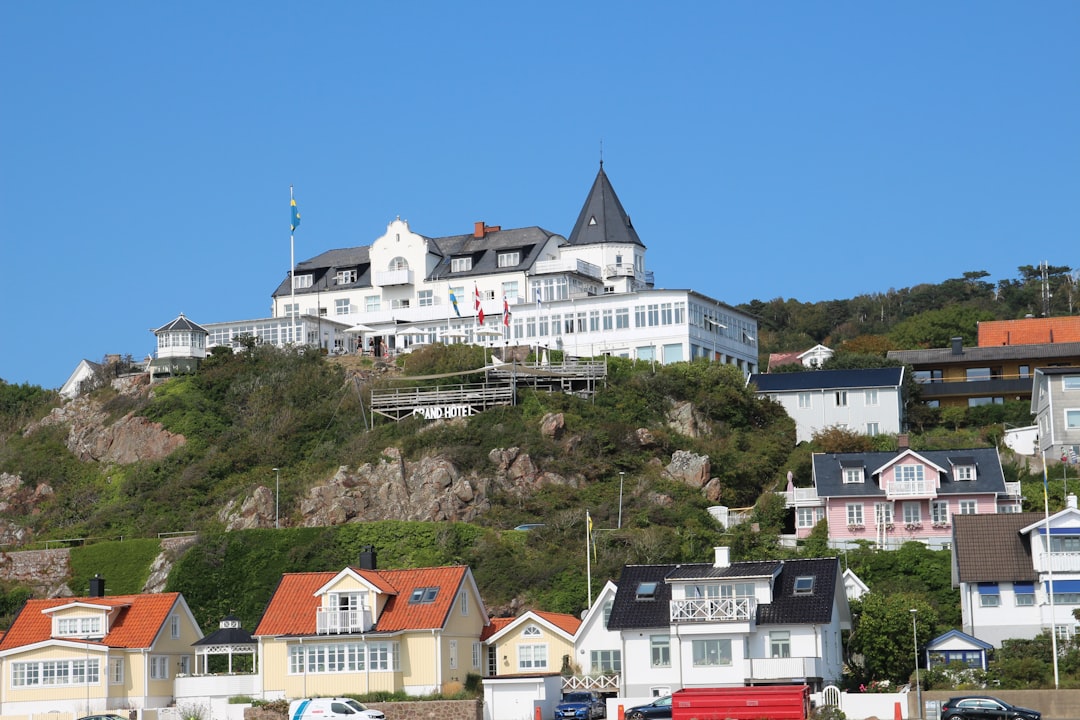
column 128, row 440
column 689, row 468
column 685, row 420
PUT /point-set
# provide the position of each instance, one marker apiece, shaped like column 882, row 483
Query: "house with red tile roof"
column 533, row 642
column 84, row 655
column 1029, row 331
column 364, row 630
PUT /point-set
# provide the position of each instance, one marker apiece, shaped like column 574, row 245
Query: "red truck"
column 774, row 702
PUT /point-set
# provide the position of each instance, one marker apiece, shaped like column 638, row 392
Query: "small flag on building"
column 506, row 312
column 295, row 214
column 479, row 310
column 453, row 301
column 539, row 297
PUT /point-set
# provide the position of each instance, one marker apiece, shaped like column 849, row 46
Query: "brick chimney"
column 480, row 229
column 903, row 441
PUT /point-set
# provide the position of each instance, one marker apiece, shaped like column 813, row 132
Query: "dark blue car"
column 658, row 709
column 582, row 705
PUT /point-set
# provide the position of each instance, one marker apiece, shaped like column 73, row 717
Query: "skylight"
column 646, row 590
column 804, row 585
column 423, row 595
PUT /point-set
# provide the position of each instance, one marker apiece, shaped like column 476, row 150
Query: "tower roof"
column 602, row 219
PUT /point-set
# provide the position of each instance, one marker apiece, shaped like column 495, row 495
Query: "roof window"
column 423, row 595
column 804, row 585
column 646, row 590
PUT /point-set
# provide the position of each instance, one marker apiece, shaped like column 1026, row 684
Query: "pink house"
column 890, row 498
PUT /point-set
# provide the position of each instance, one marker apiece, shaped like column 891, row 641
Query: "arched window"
column 398, row 263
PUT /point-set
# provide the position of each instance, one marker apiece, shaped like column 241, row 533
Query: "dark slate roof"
column 791, row 609
column 226, row 636
column 602, row 218
column 990, row 548
column 627, row 612
column 691, row 571
column 828, row 379
column 181, row 324
column 530, row 241
column 995, row 352
column 323, row 268
column 829, row 476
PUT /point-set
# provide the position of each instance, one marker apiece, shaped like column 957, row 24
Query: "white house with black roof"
column 899, row 496
column 869, row 401
column 587, row 294
column 727, row 624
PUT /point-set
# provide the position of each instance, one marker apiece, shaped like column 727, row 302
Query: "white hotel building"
column 596, row 296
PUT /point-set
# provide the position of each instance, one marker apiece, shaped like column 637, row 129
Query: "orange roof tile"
column 567, row 623
column 495, row 625
column 139, row 619
column 291, row 610
column 1029, row 331
column 783, row 358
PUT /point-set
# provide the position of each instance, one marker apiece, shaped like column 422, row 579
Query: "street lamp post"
column 622, row 475
column 915, row 637
column 277, row 495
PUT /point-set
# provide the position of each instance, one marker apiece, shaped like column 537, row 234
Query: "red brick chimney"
column 480, row 229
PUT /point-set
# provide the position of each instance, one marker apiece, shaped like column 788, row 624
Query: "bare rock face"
column 684, row 419
column 644, row 438
column 553, row 425
column 129, row 439
column 689, row 468
column 712, row 490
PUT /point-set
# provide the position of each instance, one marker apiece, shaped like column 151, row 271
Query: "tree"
column 882, row 643
column 936, row 328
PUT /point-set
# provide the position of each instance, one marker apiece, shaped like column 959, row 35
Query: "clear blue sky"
column 812, row 150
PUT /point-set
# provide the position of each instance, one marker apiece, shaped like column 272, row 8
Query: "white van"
column 318, row 708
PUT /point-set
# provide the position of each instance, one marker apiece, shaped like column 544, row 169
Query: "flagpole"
column 1050, row 567
column 588, row 555
column 292, row 265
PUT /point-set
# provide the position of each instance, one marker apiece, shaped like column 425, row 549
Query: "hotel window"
column 425, row 298
column 291, row 309
column 871, row 398
column 680, row 313
column 622, row 318
column 594, row 321
column 967, row 507
column 510, row 291
column 345, row 277
column 780, row 644
column 460, row 264
column 841, row 398
column 303, row 281
column 607, row 317
column 661, row 650
column 710, row 653
column 371, row 303
column 341, row 306
column 855, row 514
column 398, row 263
column 806, row 401
column 639, row 316
column 666, row 315
column 509, row 259
column 939, row 512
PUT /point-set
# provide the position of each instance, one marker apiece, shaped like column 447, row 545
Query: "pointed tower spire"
column 602, row 219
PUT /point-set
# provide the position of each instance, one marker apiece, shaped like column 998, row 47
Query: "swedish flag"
column 295, row 214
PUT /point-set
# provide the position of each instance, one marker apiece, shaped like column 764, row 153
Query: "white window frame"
column 912, row 512
column 871, row 397
column 372, row 303
column 174, row 626
column 1070, row 382
column 1072, row 418
column 841, row 398
column 477, row 654
column 508, row 259
column 532, row 657
column 853, row 475
column 605, row 662
column 159, row 667
column 345, row 277
column 462, row 264
column 855, row 514
column 780, row 643
column 463, row 602
column 964, row 473
column 452, row 651
column 703, row 652
column 883, row 513
column 873, row 429
column 968, row 507
column 660, row 650
column 116, row 671
column 425, row 298
column 939, row 512
column 302, row 281
column 806, row 401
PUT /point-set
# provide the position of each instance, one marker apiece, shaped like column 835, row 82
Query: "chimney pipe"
column 97, row 586
column 478, row 229
column 1070, row 501
column 957, row 346
column 367, row 558
column 723, row 556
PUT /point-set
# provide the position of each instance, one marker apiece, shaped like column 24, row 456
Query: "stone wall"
column 424, row 710
column 1055, row 704
column 43, row 570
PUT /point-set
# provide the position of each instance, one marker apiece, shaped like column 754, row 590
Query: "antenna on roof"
column 601, row 153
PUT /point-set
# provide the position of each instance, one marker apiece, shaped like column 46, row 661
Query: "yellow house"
column 91, row 654
column 532, row 643
column 363, row 630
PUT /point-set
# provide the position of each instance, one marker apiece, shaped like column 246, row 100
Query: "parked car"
column 583, row 705
column 105, row 716
column 983, row 706
column 658, row 709
column 323, row 708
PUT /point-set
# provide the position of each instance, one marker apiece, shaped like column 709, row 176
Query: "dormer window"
column 302, row 281
column 853, row 472
column 345, row 277
column 423, row 595
column 78, row 626
column 509, row 259
column 646, row 590
column 398, row 263
column 963, row 468
column 804, row 585
column 461, row 264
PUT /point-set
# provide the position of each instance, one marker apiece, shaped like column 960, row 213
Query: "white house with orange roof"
column 365, row 630
column 533, row 642
column 83, row 655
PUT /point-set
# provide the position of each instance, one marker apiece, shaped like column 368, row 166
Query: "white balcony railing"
column 801, row 497
column 600, row 683
column 394, row 277
column 784, row 668
column 911, row 489
column 547, row 267
column 1012, row 489
column 332, row 621
column 712, row 610
column 1061, row 562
